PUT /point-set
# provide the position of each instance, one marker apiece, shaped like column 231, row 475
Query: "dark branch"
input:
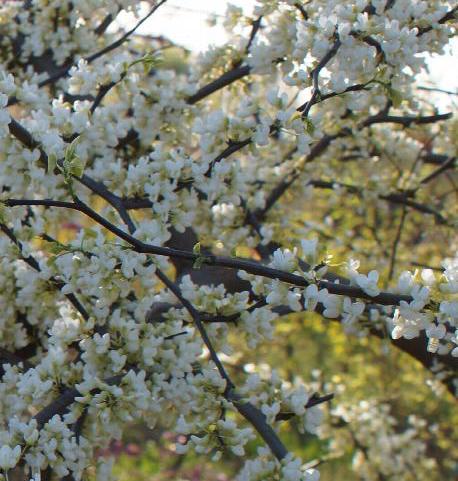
column 316, row 93
column 451, row 15
column 64, row 401
column 226, row 79
column 252, row 267
column 252, row 414
column 405, row 121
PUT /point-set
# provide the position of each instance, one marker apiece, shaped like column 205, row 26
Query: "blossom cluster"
column 382, row 446
column 431, row 308
column 111, row 161
column 264, row 467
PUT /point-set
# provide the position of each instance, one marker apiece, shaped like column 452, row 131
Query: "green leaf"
column 57, row 248
column 72, row 164
column 196, row 248
column 295, row 116
column 70, row 151
column 2, row 212
column 309, row 127
column 198, row 262
column 76, row 166
column 149, row 60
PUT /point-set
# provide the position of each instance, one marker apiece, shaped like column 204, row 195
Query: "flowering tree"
column 178, row 189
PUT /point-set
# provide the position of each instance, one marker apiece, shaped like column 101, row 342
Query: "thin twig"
column 316, row 93
column 436, row 89
column 449, row 164
column 255, row 26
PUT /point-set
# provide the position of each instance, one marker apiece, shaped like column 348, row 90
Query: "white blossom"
column 9, row 457
column 203, row 152
column 369, row 283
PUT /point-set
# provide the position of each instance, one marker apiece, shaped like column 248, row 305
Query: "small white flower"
column 333, row 306
column 3, row 100
column 428, row 277
column 284, row 260
column 270, row 412
column 312, row 475
column 351, row 311
column 272, row 96
column 5, row 117
column 449, row 309
column 309, row 248
column 352, row 268
column 7, row 83
column 261, row 135
column 420, row 296
column 9, row 457
column 303, row 144
column 294, row 301
column 397, row 332
column 405, row 282
column 368, row 283
column 276, row 295
column 436, row 331
column 311, row 295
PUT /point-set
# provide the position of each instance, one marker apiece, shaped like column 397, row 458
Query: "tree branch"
column 226, row 79
column 316, row 93
column 252, row 267
column 450, row 15
column 60, row 405
column 252, row 414
column 405, row 121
